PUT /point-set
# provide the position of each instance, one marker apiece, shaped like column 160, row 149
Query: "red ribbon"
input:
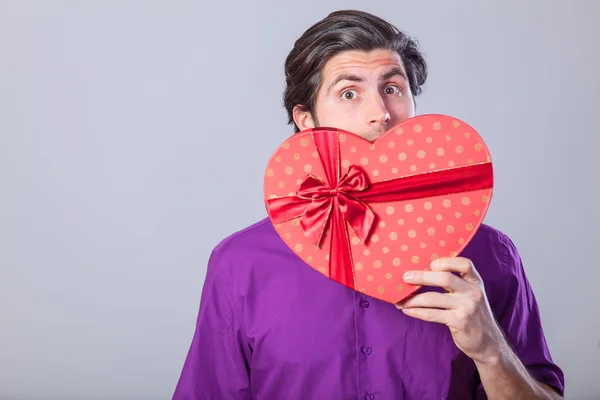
column 343, row 200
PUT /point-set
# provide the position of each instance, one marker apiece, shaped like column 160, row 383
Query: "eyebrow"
column 356, row 78
column 344, row 77
column 393, row 72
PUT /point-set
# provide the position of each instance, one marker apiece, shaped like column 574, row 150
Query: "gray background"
column 119, row 120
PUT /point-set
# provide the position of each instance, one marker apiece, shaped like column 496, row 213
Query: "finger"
column 441, row 279
column 462, row 265
column 429, row 314
column 430, row 300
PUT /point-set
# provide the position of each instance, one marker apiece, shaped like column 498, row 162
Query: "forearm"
column 504, row 376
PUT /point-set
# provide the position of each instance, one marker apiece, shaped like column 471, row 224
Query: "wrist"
column 494, row 355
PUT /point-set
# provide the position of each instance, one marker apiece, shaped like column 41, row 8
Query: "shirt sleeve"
column 519, row 317
column 216, row 365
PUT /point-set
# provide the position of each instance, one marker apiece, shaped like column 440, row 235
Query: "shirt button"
column 369, row 396
column 367, row 350
column 364, row 303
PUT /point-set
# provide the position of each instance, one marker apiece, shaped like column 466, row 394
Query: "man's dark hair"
column 343, row 31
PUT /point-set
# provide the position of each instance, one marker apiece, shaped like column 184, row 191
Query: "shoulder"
column 497, row 259
column 248, row 247
column 247, row 238
column 494, row 248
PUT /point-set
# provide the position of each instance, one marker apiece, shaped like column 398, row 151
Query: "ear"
column 302, row 118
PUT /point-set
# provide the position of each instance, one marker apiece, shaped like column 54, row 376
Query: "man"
column 270, row 327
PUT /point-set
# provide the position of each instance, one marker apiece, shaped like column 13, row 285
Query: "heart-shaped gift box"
column 362, row 213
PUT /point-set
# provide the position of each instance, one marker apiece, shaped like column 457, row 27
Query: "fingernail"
column 409, row 276
column 435, row 264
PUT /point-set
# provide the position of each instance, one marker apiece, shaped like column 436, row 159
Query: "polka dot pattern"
column 408, row 235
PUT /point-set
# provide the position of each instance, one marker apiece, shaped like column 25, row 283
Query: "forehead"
column 372, row 62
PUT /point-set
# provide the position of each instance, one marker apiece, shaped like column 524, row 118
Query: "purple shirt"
column 271, row 327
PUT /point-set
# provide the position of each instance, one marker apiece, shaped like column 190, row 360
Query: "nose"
column 378, row 115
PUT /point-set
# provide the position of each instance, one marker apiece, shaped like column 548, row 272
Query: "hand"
column 463, row 308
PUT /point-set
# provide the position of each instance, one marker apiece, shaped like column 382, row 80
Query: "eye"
column 349, row 94
column 392, row 90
